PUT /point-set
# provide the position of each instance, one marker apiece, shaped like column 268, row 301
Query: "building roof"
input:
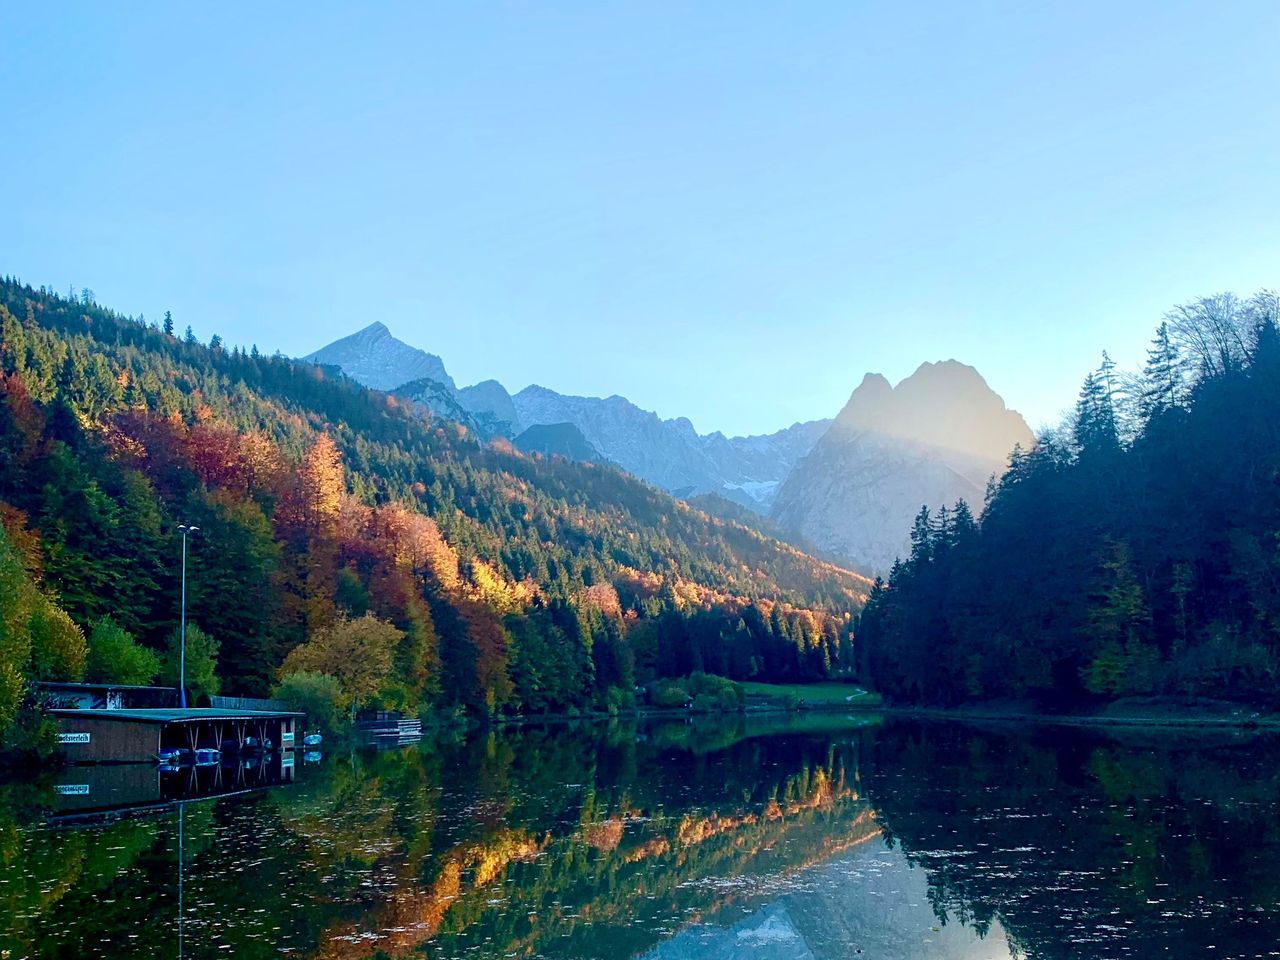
column 103, row 686
column 176, row 715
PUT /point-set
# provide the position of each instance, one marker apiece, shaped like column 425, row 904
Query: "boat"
column 173, row 756
column 207, row 756
column 312, row 740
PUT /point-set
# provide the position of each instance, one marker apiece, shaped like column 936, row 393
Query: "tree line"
column 1135, row 550
column 352, row 547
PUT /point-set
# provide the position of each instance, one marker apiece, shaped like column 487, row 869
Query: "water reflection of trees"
column 57, row 880
column 593, row 841
column 1088, row 843
column 596, row 840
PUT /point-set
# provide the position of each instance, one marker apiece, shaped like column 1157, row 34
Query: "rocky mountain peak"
column 377, row 359
column 931, row 439
column 947, row 405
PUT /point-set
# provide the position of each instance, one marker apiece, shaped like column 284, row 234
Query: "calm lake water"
column 815, row 838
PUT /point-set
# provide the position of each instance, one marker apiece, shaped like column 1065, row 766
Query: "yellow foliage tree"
column 358, row 653
column 37, row 638
column 58, row 647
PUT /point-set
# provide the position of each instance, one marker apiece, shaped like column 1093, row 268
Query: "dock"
column 388, row 727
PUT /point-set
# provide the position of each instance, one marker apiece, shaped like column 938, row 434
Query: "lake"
column 811, row 837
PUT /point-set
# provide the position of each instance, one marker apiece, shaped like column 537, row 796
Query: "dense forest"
column 1134, row 551
column 351, row 546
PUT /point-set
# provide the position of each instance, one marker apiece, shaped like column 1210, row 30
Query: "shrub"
column 707, row 703
column 715, row 693
column 318, row 695
column 1224, row 665
column 669, row 693
column 34, row 734
column 619, row 700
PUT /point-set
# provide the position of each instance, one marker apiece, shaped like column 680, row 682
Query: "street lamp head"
column 186, row 529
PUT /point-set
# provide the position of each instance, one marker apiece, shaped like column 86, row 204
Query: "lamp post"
column 182, row 619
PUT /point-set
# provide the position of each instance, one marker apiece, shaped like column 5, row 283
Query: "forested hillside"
column 1134, row 551
column 490, row 579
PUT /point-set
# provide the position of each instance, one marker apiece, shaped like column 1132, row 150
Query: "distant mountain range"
column 849, row 486
column 667, row 453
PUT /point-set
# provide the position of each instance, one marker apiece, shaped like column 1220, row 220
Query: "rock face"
column 377, row 359
column 670, row 453
column 934, row 438
column 491, row 398
column 751, row 469
column 439, row 399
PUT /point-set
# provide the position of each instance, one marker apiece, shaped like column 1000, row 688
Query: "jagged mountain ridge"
column 933, row 439
column 848, row 487
column 670, row 454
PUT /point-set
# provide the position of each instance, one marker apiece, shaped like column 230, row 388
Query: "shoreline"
column 1218, row 720
column 1238, row 719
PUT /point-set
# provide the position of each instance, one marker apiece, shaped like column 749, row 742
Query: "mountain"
column 934, row 438
column 751, row 469
column 489, row 398
column 559, row 439
column 375, row 358
column 670, row 453
column 660, row 451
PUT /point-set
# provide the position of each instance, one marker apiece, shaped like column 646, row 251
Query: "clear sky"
column 727, row 211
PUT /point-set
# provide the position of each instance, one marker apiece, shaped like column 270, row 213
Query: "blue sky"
column 726, row 211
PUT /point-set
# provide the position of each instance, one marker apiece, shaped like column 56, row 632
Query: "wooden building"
column 139, row 735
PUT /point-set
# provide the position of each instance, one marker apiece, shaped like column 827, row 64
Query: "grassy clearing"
column 815, row 694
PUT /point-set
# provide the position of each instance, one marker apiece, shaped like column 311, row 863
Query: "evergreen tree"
column 921, row 538
column 1095, row 424
column 1161, row 377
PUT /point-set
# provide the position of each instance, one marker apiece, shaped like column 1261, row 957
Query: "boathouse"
column 139, row 735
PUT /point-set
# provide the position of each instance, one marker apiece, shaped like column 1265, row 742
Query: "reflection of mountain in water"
column 869, row 902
